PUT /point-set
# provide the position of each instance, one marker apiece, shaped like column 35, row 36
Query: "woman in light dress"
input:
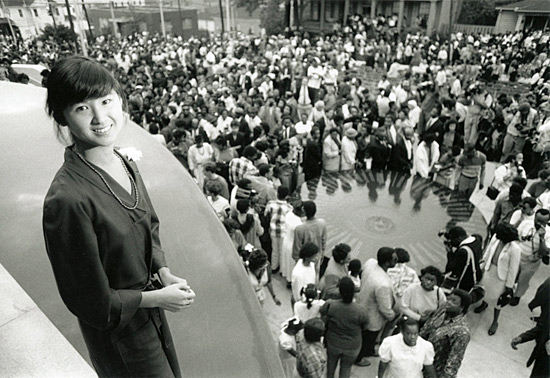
column 292, row 220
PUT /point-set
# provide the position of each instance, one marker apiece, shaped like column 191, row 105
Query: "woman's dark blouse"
column 103, row 256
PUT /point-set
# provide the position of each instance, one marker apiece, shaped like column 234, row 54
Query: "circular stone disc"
column 369, row 210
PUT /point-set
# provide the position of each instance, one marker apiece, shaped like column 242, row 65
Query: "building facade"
column 140, row 19
column 528, row 14
column 29, row 17
column 432, row 15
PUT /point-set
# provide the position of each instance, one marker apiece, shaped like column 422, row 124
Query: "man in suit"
column 286, row 131
column 401, row 156
column 379, row 150
column 235, row 138
column 377, row 296
column 434, row 125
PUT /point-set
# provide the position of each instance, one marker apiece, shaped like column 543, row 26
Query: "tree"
column 478, row 12
column 250, row 5
column 60, row 34
column 272, row 17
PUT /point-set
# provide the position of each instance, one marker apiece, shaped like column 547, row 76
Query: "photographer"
column 463, row 255
column 504, row 175
column 522, row 126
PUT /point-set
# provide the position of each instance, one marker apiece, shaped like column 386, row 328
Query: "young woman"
column 102, row 233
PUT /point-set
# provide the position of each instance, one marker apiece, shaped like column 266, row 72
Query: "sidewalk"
column 486, row 356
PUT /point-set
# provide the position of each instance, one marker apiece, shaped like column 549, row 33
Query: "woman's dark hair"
column 214, row 188
column 506, row 232
column 465, row 299
column 257, row 132
column 402, row 255
column 430, row 269
column 384, row 255
column 308, row 250
column 346, row 287
column 314, row 329
column 406, row 321
column 340, row 252
column 511, row 158
column 532, row 202
column 310, row 292
column 449, row 123
column 76, row 79
column 257, row 259
column 243, row 205
column 355, row 266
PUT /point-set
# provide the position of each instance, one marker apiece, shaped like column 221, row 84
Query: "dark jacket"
column 103, row 257
column 399, row 160
column 379, row 153
column 457, row 263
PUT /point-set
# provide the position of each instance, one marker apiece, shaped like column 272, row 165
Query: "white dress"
column 287, row 263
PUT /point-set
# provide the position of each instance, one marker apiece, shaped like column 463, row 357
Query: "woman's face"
column 519, row 159
column 454, row 305
column 428, row 282
column 95, row 122
column 410, row 334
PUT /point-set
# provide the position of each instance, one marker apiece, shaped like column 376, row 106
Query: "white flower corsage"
column 131, row 153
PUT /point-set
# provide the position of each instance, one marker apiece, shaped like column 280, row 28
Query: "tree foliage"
column 272, row 17
column 250, row 5
column 61, row 34
column 478, row 12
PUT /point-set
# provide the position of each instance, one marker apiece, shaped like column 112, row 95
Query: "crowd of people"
column 254, row 118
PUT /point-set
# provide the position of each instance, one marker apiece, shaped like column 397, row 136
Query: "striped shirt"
column 276, row 212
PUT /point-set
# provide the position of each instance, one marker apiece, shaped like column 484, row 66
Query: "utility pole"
column 221, row 16
column 162, row 20
column 179, row 15
column 81, row 32
column 9, row 22
column 70, row 21
column 88, row 20
column 53, row 16
column 228, row 15
column 113, row 22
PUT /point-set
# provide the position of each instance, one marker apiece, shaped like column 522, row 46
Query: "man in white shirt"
column 315, row 75
column 534, row 239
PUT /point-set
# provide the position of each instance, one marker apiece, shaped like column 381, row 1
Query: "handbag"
column 477, row 292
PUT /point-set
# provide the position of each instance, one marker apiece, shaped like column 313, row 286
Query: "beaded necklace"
column 132, row 181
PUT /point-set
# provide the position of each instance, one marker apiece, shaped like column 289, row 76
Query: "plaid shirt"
column 239, row 167
column 311, row 361
column 276, row 212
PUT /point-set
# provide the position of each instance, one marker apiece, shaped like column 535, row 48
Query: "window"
column 35, row 11
column 20, row 13
column 186, row 24
column 314, row 10
column 424, row 8
column 57, row 11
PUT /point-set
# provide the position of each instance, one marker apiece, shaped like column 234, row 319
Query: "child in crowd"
column 287, row 345
column 309, row 305
column 355, row 269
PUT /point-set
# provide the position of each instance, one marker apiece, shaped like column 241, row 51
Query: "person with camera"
column 463, row 258
column 534, row 239
column 522, row 126
column 504, row 175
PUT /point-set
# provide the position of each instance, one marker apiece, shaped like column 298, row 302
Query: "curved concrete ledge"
column 31, row 345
